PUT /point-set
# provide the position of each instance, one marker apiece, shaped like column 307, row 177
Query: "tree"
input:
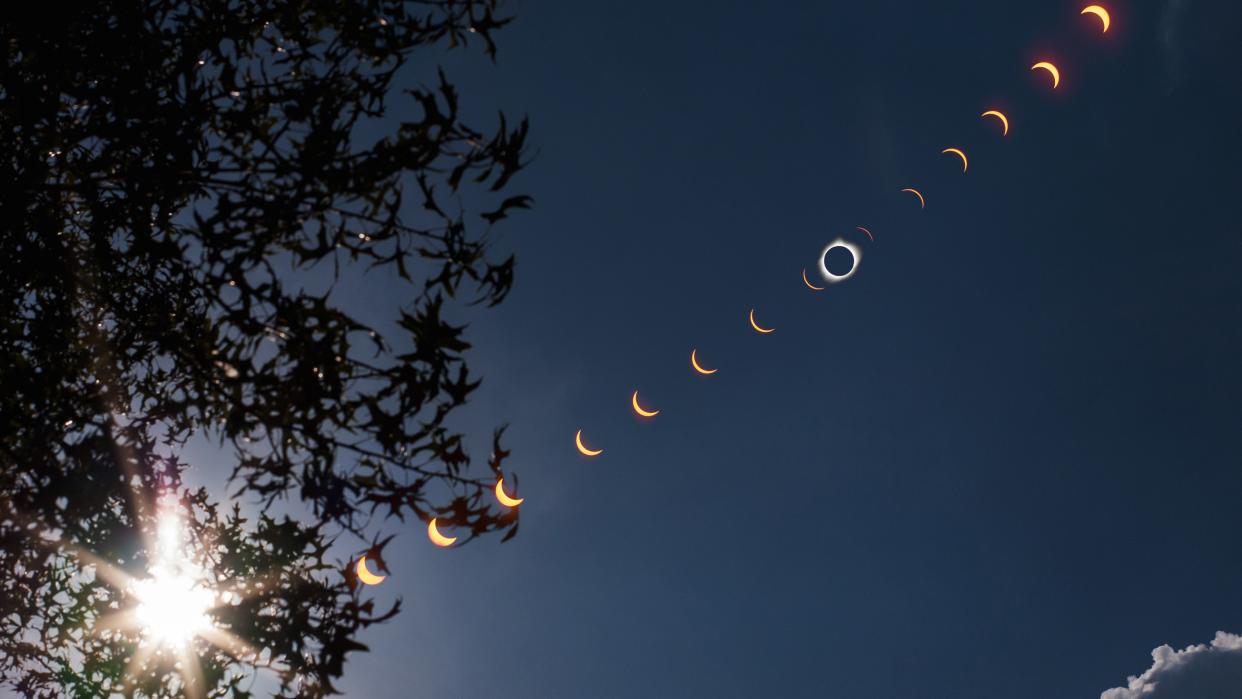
column 171, row 174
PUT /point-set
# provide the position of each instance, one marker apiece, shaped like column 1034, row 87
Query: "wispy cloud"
column 1170, row 32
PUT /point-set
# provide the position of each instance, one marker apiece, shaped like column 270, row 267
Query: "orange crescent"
column 1004, row 120
column 809, row 284
column 694, row 362
column 433, row 533
column 958, row 152
column 1098, row 12
column 582, row 447
column 366, row 576
column 1052, row 70
column 917, row 193
column 864, row 230
column 503, row 498
column 639, row 409
column 755, row 325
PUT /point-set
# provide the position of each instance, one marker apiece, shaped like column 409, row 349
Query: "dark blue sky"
column 1001, row 461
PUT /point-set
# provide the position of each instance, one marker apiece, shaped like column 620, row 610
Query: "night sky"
column 1003, row 460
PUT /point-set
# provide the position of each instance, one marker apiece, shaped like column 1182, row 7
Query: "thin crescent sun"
column 1004, row 120
column 809, row 284
column 694, row 362
column 582, row 447
column 503, row 498
column 958, row 152
column 1052, row 70
column 433, row 533
column 640, row 409
column 755, row 325
column 917, row 193
column 1098, row 12
column 864, row 230
column 366, row 576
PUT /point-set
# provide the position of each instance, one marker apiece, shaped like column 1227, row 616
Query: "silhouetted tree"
column 175, row 177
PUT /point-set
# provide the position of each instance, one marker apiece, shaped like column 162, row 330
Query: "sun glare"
column 172, row 609
column 171, row 606
column 173, row 603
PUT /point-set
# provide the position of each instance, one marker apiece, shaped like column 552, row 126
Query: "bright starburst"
column 173, row 603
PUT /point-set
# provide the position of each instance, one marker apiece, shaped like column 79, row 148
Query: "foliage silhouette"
column 172, row 172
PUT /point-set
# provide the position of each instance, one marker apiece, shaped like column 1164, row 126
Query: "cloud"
column 1170, row 29
column 1198, row 672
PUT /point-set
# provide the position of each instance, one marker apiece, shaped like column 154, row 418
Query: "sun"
column 172, row 605
column 172, row 609
column 174, row 601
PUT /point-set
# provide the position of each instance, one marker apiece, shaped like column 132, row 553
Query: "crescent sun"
column 809, row 284
column 1098, row 12
column 864, row 230
column 958, row 152
column 1004, row 120
column 503, row 498
column 1052, row 70
column 755, row 325
column 433, row 533
column 917, row 193
column 640, row 409
column 694, row 362
column 582, row 447
column 366, row 576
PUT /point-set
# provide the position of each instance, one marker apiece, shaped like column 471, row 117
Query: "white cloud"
column 1198, row 672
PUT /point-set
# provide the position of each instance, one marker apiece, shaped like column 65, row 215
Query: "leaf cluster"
column 184, row 186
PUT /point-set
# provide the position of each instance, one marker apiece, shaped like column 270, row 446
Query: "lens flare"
column 174, row 601
column 172, row 609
